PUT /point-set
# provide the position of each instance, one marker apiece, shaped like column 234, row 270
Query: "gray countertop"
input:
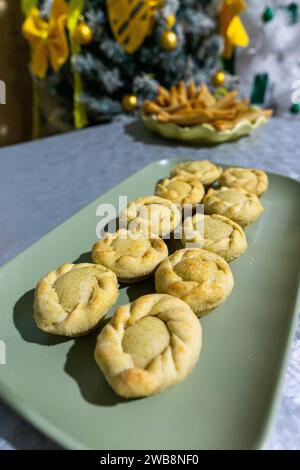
column 45, row 182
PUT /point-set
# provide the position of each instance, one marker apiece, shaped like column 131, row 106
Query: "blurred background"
column 68, row 64
column 15, row 115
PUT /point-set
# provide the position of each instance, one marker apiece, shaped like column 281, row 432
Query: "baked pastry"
column 149, row 345
column 181, row 190
column 132, row 256
column 152, row 214
column 204, row 170
column 201, row 278
column 215, row 233
column 72, row 300
column 252, row 180
column 235, row 203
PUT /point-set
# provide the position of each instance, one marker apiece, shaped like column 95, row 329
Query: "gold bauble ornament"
column 218, row 78
column 83, row 34
column 168, row 40
column 171, row 20
column 129, row 103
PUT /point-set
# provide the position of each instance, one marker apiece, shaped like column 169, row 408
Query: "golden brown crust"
column 132, row 256
column 235, row 203
column 181, row 189
column 164, row 366
column 215, row 233
column 204, row 170
column 73, row 299
column 152, row 214
column 189, row 105
column 201, row 278
column 251, row 179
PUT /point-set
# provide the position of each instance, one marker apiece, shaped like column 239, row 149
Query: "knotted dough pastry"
column 235, row 203
column 201, row 278
column 73, row 299
column 181, row 190
column 152, row 214
column 252, row 180
column 149, row 345
column 204, row 170
column 132, row 256
column 215, row 233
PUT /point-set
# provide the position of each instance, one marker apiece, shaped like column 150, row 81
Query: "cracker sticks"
column 191, row 105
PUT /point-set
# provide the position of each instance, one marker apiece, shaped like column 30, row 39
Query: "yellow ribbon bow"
column 48, row 40
column 231, row 27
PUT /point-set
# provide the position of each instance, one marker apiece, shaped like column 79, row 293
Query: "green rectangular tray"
column 228, row 400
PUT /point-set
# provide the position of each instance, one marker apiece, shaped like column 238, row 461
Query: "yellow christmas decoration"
column 218, row 78
column 74, row 16
column 83, row 34
column 231, row 27
column 168, row 40
column 131, row 21
column 171, row 20
column 129, row 103
column 47, row 39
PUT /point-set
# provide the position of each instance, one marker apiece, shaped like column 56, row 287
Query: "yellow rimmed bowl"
column 202, row 133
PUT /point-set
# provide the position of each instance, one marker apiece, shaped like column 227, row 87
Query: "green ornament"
column 294, row 12
column 259, row 89
column 295, row 108
column 268, row 14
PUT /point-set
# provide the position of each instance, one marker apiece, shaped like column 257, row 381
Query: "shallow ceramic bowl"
column 202, row 133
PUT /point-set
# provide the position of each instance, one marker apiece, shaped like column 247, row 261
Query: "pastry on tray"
column 155, row 341
column 148, row 345
column 235, row 203
column 181, row 189
column 72, row 300
column 250, row 179
column 206, row 171
column 215, row 233
column 152, row 214
column 201, row 278
column 132, row 256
